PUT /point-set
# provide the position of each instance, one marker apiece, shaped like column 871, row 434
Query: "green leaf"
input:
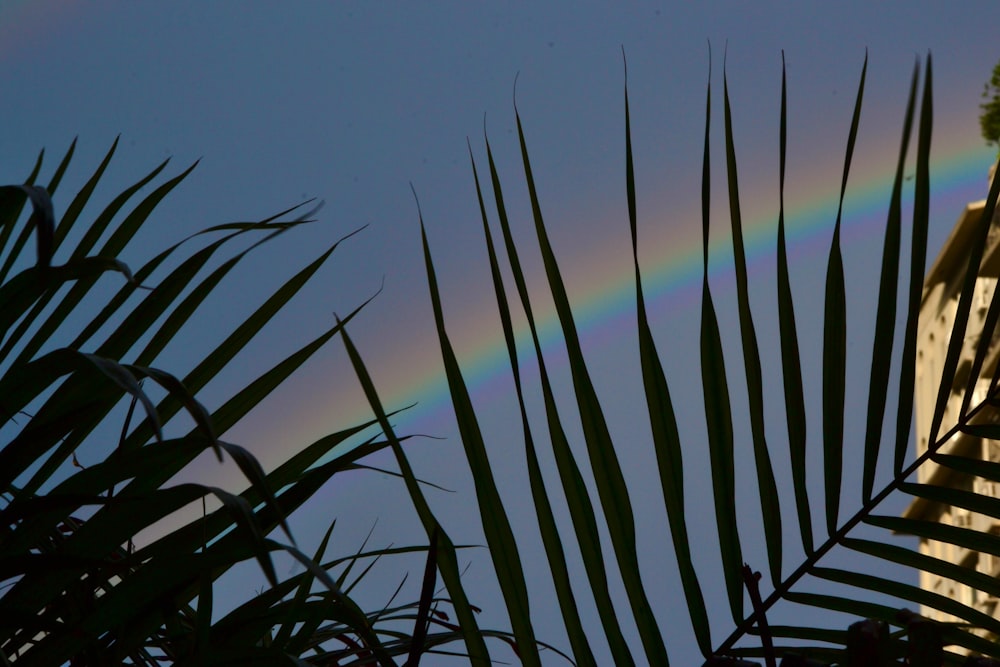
column 977, row 247
column 12, row 203
column 718, row 414
column 768, row 489
column 663, row 423
column 578, row 500
column 933, row 530
column 835, row 342
column 43, row 220
column 853, row 607
column 20, row 292
column 554, row 552
column 302, row 590
column 496, row 525
column 112, row 248
column 77, row 589
column 975, row 502
column 791, row 367
column 82, row 197
column 918, row 260
column 610, row 482
column 423, row 611
column 885, row 317
column 78, row 289
column 447, row 562
column 909, row 592
column 917, row 561
column 971, row 466
column 61, row 168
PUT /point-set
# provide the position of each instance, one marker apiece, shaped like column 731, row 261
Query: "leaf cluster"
column 95, row 435
column 989, row 119
column 784, row 505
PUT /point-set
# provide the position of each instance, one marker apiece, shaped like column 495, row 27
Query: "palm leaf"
column 718, row 414
column 791, row 366
column 885, row 317
column 769, row 506
column 496, row 525
column 580, row 506
column 611, row 488
column 77, row 587
column 663, row 424
column 445, row 556
column 850, row 592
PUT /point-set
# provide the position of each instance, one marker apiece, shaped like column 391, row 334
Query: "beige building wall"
column 937, row 315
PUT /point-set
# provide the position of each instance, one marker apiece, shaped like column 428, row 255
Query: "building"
column 942, row 286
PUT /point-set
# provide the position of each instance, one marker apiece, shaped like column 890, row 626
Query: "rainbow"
column 673, row 276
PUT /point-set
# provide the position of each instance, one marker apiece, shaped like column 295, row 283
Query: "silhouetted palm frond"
column 802, row 559
column 76, row 586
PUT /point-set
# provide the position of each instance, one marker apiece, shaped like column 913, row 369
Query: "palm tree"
column 91, row 442
column 863, row 530
column 989, row 119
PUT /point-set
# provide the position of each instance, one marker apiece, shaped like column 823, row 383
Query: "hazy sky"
column 351, row 103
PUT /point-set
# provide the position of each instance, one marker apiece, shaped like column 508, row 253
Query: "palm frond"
column 854, row 524
column 76, row 587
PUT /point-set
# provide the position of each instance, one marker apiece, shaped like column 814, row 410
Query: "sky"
column 355, row 103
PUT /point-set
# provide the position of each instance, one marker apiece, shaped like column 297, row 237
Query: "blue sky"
column 351, row 103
